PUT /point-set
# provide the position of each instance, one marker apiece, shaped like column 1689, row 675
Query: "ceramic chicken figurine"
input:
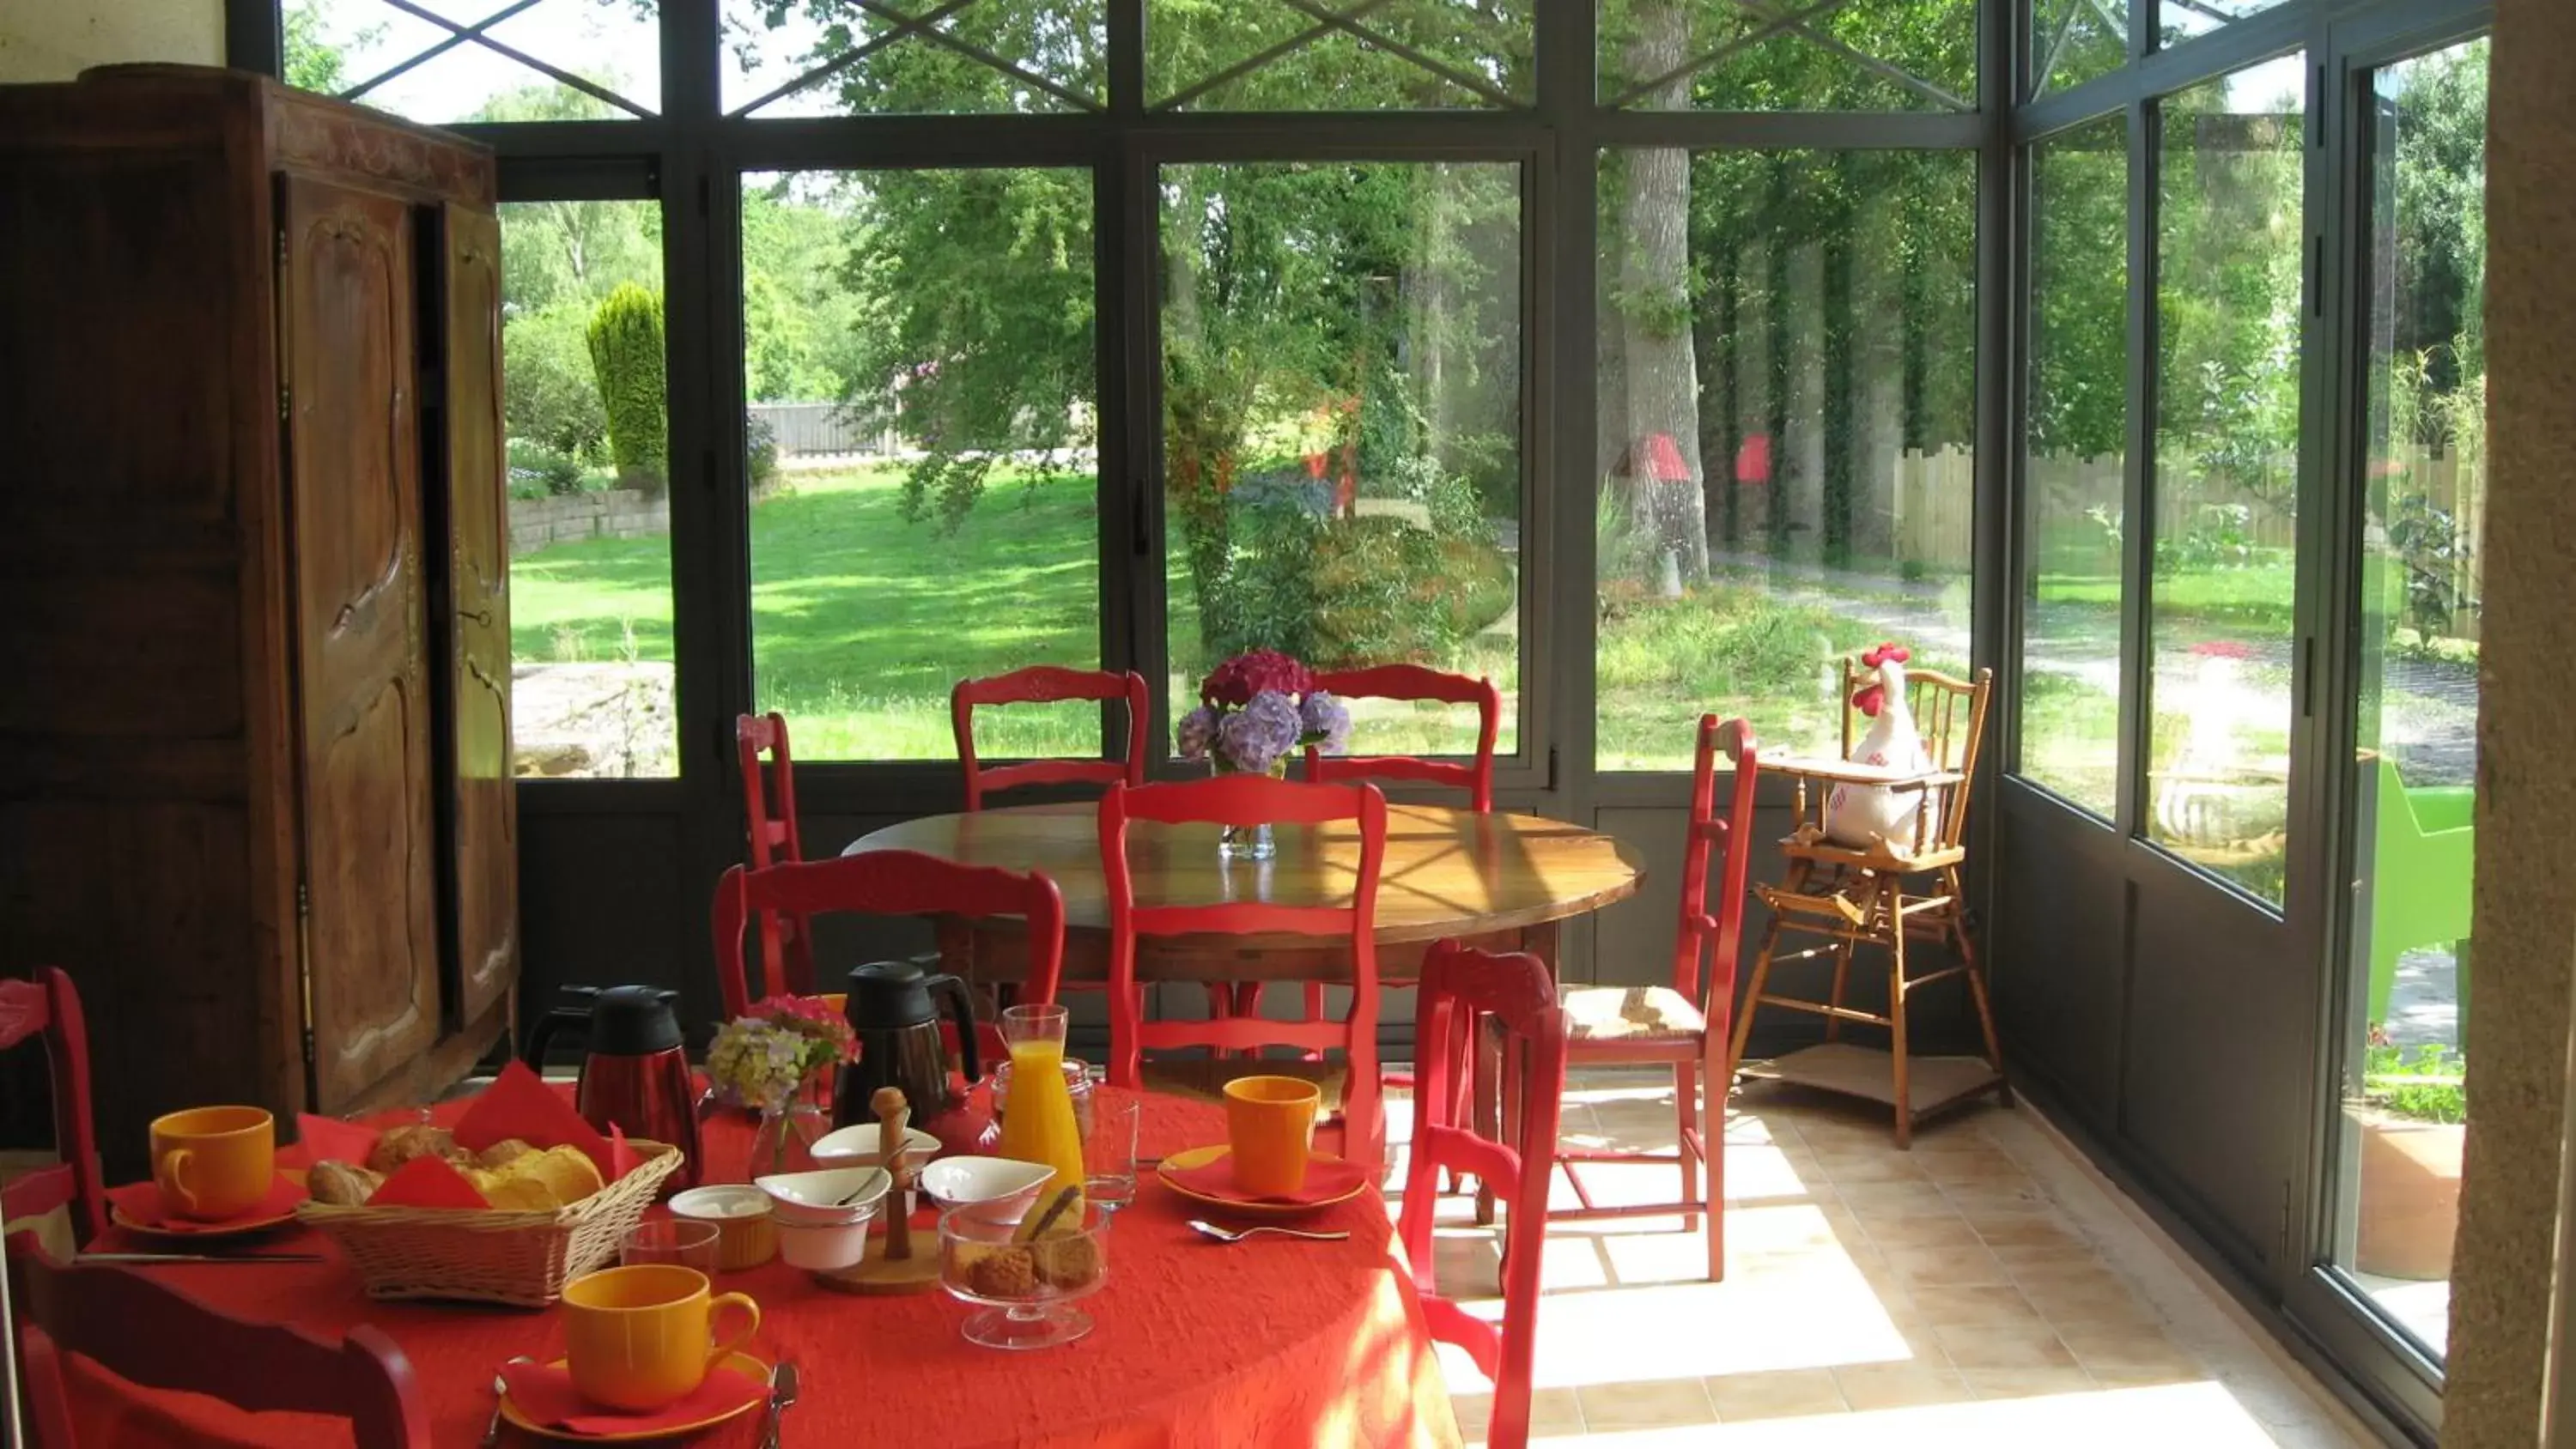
column 1868, row 816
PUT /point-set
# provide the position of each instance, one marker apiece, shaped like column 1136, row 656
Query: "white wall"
column 47, row 40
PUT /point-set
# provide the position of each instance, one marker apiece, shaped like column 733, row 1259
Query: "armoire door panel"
column 485, row 823
column 347, row 293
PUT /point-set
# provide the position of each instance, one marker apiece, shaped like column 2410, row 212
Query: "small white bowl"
column 825, row 1249
column 957, row 1181
column 856, row 1146
column 745, row 1237
column 816, row 1199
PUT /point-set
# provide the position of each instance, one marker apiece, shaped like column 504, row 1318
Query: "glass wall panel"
column 1342, row 425
column 1726, row 55
column 583, row 402
column 859, row 57
column 1338, row 55
column 2180, row 20
column 2074, row 469
column 919, row 354
column 1787, row 421
column 2074, row 41
column 447, row 61
column 2424, row 484
column 2229, row 254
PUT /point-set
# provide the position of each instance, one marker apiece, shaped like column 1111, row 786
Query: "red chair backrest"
column 1713, row 935
column 1245, row 800
column 48, row 1009
column 775, row 837
column 1414, row 682
column 1463, row 988
column 885, row 883
column 1047, row 684
column 154, row 1335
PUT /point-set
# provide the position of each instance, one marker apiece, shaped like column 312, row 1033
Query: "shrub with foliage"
column 2426, row 1083
column 627, row 362
column 760, row 450
column 539, row 471
column 1346, row 592
column 549, row 394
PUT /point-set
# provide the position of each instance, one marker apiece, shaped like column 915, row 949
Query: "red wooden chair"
column 1046, row 684
column 1462, row 990
column 48, row 1008
column 153, row 1335
column 785, row 941
column 1412, row 682
column 886, row 883
column 1684, row 1024
column 1250, row 800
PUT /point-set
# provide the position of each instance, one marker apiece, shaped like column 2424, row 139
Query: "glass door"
column 2421, row 465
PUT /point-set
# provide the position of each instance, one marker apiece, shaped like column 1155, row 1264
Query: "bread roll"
column 538, row 1181
column 401, row 1144
column 338, row 1182
column 502, row 1153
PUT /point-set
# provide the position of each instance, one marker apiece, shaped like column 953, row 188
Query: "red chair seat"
column 1632, row 1014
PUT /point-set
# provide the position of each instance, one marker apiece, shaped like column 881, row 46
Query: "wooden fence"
column 810, row 429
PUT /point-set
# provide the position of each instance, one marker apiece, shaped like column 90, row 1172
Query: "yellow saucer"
column 201, row 1232
column 741, row 1363
column 1198, row 1157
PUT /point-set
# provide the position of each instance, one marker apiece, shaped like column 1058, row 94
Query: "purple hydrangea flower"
column 1324, row 715
column 1196, row 732
column 1259, row 734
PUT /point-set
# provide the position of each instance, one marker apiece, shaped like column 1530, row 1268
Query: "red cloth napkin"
column 520, row 1104
column 140, row 1203
column 427, row 1182
column 328, row 1139
column 544, row 1393
column 1326, row 1178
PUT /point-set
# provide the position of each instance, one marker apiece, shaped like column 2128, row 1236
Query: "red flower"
column 1237, row 680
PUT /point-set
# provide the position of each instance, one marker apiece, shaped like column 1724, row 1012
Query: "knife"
column 200, row 1258
column 782, row 1397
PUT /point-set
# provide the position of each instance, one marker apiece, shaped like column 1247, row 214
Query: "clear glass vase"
column 784, row 1141
column 1248, row 842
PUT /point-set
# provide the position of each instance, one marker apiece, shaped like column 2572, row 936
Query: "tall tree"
column 1652, row 300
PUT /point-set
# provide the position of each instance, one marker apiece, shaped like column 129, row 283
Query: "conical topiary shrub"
column 626, row 358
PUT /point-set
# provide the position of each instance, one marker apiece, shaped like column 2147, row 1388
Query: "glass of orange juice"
column 1037, row 1118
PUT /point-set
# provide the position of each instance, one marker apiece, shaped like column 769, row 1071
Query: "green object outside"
column 2422, row 860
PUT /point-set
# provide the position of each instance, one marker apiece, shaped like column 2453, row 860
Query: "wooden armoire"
column 255, row 786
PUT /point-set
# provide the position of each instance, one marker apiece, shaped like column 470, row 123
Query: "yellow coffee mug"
column 213, row 1163
column 1270, row 1128
column 643, row 1338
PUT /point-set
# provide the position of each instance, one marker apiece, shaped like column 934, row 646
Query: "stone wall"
column 615, row 513
column 2526, row 885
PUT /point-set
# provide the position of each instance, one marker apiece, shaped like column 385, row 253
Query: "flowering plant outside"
column 763, row 1058
column 1257, row 708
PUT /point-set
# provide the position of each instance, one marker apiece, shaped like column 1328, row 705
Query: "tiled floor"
column 1981, row 1289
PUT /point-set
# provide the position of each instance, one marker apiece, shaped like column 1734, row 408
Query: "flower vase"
column 784, row 1141
column 1249, row 842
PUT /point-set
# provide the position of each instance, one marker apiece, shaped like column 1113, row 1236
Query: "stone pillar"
column 2526, row 887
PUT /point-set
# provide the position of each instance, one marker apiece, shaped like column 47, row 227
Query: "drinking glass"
column 689, row 1243
column 1109, row 1150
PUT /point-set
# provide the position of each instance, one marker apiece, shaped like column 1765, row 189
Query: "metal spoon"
column 1237, row 1235
column 500, row 1391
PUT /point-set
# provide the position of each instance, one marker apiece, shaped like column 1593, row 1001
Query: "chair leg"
column 1686, row 1124
column 1957, row 923
column 1896, row 1017
column 1752, row 998
column 1842, row 971
column 1713, row 1157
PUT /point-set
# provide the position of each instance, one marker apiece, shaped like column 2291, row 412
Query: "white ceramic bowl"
column 826, row 1249
column 856, row 1146
column 745, row 1237
column 816, row 1199
column 957, row 1181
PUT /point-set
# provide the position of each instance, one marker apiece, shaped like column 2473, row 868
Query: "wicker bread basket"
column 492, row 1256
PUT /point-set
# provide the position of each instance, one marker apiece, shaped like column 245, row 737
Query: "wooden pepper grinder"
column 891, row 1266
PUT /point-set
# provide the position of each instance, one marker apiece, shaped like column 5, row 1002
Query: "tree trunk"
column 1654, row 302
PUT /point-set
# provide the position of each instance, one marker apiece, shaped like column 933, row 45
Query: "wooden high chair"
column 1884, row 894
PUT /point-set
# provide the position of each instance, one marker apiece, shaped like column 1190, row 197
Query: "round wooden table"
column 1501, row 881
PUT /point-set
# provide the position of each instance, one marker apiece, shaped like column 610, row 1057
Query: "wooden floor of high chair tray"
column 1933, row 1082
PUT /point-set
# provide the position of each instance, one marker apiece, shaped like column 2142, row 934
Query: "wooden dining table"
column 1500, row 880
column 1267, row 1344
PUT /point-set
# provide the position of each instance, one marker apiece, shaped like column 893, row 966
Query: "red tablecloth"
column 1268, row 1342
